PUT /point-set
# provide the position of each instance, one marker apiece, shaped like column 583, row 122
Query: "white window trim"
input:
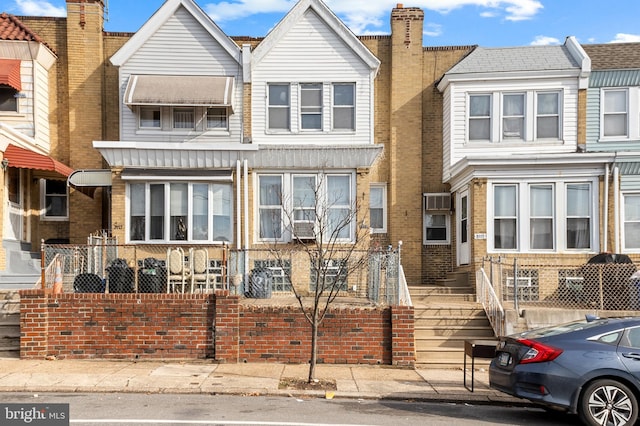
column 301, row 88
column 287, row 190
column 496, row 117
column 633, row 114
column 447, row 216
column 623, row 221
column 352, row 107
column 268, row 108
column 383, row 187
column 43, row 204
column 523, row 218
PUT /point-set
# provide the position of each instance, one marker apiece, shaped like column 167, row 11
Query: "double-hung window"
column 543, row 216
column 311, row 106
column 513, row 108
column 150, row 118
column 279, row 109
column 480, row 117
column 615, row 113
column 270, row 206
column 184, row 118
column 548, row 115
column 378, row 207
column 344, row 106
column 632, row 222
column 8, row 99
column 180, row 211
column 54, row 199
column 217, row 118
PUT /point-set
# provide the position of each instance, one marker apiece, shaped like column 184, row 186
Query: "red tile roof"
column 24, row 159
column 10, row 73
column 11, row 28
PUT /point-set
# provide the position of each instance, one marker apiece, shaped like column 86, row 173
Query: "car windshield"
column 561, row 328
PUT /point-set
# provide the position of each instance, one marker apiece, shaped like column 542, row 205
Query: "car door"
column 629, row 350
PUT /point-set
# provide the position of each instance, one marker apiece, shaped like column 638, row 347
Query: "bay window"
column 505, row 217
column 479, row 117
column 541, row 217
column 270, row 210
column 180, row 211
column 579, row 199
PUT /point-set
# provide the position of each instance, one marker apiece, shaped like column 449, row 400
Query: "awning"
column 10, row 73
column 24, row 159
column 179, row 90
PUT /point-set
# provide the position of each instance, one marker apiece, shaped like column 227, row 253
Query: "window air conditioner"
column 437, row 201
column 303, row 230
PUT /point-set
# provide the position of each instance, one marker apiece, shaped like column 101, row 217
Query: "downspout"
column 246, row 214
column 605, row 212
column 616, row 210
column 238, row 209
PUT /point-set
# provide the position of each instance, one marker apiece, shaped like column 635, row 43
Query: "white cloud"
column 432, row 30
column 544, row 41
column 364, row 16
column 39, row 8
column 626, row 38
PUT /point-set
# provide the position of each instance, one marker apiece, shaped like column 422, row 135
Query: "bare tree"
column 327, row 224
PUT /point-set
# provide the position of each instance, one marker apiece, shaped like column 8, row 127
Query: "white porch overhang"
column 225, row 156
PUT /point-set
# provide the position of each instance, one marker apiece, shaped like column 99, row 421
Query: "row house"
column 180, row 134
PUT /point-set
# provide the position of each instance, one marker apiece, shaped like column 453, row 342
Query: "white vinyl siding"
column 181, row 47
column 313, row 53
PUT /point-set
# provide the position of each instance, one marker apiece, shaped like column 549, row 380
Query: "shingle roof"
column 613, row 56
column 12, row 28
column 508, row 59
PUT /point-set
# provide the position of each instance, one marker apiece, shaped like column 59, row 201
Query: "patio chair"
column 177, row 270
column 200, row 278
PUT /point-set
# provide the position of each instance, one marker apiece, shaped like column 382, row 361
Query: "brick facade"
column 198, row 326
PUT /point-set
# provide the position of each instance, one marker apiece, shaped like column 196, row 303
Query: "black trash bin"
column 152, row 277
column 88, row 283
column 120, row 276
column 260, row 282
column 607, row 281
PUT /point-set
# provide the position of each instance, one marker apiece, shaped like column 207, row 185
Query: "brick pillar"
column 226, row 327
column 403, row 350
column 405, row 153
column 34, row 324
column 85, row 73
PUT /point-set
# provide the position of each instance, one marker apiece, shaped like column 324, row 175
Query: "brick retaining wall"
column 175, row 326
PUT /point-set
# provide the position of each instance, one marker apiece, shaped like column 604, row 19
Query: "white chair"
column 199, row 260
column 177, row 271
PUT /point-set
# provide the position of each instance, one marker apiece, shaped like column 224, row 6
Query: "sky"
column 487, row 23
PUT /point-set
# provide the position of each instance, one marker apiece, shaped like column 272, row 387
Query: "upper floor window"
column 311, row 106
column 179, row 119
column 217, row 118
column 615, row 113
column 344, row 106
column 378, row 207
column 54, row 199
column 279, row 107
column 183, row 118
column 180, row 211
column 150, row 118
column 8, row 99
column 522, row 116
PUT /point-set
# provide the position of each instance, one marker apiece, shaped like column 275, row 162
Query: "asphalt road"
column 197, row 409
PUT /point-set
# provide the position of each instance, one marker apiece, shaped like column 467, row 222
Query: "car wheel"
column 608, row 403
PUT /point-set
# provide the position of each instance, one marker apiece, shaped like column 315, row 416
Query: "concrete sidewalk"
column 353, row 381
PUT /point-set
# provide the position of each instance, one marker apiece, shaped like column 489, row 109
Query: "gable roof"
column 613, row 56
column 12, row 28
column 296, row 13
column 166, row 11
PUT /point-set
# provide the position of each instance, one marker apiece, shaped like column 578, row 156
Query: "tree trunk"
column 314, row 347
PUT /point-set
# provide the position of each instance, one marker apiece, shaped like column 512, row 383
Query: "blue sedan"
column 589, row 367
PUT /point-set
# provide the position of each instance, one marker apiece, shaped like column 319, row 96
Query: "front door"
column 462, row 231
column 13, row 223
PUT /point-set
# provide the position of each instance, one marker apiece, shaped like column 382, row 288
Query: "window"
column 547, row 216
column 513, row 116
column 217, row 118
column 436, row 228
column 180, row 212
column 183, row 118
column 311, row 106
column 541, row 217
column 479, row 117
column 378, row 207
column 548, row 115
column 615, row 113
column 344, row 107
column 279, row 107
column 437, row 218
column 150, row 117
column 505, row 220
column 632, row 221
column 8, row 99
column 55, row 199
column 333, row 274
column 305, row 197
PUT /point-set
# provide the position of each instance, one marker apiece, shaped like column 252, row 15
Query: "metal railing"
column 492, row 305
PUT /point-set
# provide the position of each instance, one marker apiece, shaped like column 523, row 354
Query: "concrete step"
column 18, row 281
column 468, row 333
